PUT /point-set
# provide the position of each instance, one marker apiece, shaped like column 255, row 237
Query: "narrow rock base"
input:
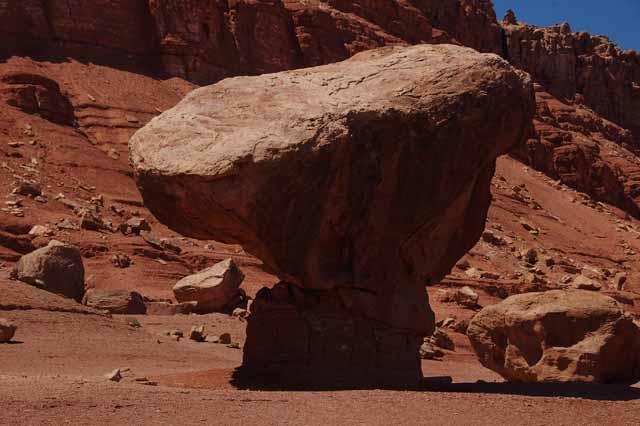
column 299, row 337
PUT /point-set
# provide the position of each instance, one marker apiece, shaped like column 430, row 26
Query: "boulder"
column 582, row 282
column 464, row 296
column 116, row 301
column 197, row 333
column 355, row 183
column 558, row 336
column 213, row 289
column 7, row 330
column 57, row 268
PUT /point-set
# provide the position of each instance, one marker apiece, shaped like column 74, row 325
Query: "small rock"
column 442, row 340
column 529, row 227
column 212, row 339
column 240, row 313
column 115, row 375
column 466, row 297
column 234, row 345
column 463, row 265
column 585, row 283
column 40, row 231
column 225, row 338
column 67, row 224
column 620, row 280
column 429, row 351
column 492, row 238
column 197, row 334
column 486, row 275
column 137, row 224
column 91, row 222
column 473, row 273
column 30, row 189
column 214, row 289
column 168, row 309
column 7, row 330
column 121, row 260
column 115, row 301
column 530, row 256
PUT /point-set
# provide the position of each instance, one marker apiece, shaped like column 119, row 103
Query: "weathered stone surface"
column 558, row 336
column 57, row 268
column 213, row 289
column 115, row 301
column 293, row 161
column 7, row 330
column 323, row 177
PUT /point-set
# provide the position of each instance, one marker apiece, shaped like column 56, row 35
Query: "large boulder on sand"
column 57, row 268
column 116, row 301
column 213, row 289
column 357, row 183
column 558, row 336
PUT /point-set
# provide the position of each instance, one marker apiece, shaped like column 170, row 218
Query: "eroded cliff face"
column 587, row 126
column 580, row 68
column 207, row 40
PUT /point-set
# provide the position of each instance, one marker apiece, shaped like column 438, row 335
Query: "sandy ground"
column 54, row 374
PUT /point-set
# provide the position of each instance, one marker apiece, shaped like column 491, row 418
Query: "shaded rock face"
column 213, row 289
column 57, row 268
column 207, row 40
column 116, row 301
column 362, row 181
column 35, row 94
column 558, row 336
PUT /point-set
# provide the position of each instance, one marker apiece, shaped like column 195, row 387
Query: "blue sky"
column 617, row 19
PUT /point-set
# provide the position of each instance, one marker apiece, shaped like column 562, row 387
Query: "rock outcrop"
column 558, row 336
column 208, row 40
column 213, row 289
column 322, row 176
column 115, row 301
column 579, row 67
column 57, row 268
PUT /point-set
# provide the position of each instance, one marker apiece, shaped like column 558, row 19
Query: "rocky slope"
column 80, row 77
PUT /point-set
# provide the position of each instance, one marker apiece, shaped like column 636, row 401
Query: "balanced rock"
column 213, row 289
column 57, row 268
column 357, row 183
column 7, row 330
column 115, row 301
column 558, row 336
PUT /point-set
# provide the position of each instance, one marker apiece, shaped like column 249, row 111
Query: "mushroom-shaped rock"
column 57, row 268
column 213, row 289
column 357, row 183
column 558, row 336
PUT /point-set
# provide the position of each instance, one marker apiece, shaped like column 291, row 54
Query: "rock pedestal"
column 359, row 183
column 303, row 336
